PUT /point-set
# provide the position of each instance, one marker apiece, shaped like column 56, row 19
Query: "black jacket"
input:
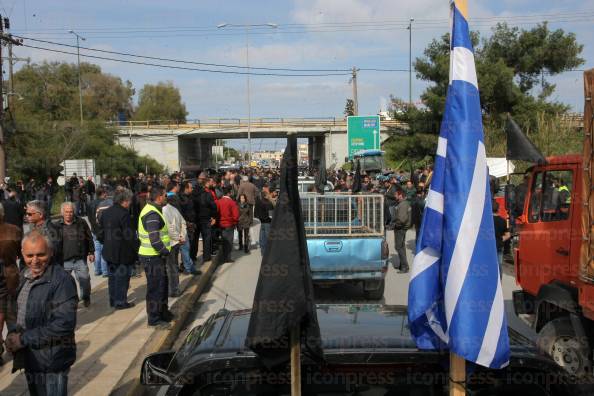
column 50, row 322
column 117, row 235
column 204, row 205
column 84, row 240
column 187, row 208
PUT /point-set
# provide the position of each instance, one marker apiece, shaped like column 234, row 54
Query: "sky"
column 309, row 34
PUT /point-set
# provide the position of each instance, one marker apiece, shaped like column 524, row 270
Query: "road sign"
column 363, row 133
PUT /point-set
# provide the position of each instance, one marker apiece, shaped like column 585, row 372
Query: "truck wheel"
column 376, row 294
column 558, row 340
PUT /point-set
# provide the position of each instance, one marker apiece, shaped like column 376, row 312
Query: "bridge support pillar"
column 316, row 149
column 195, row 153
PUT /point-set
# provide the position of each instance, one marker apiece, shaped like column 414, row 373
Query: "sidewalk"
column 107, row 342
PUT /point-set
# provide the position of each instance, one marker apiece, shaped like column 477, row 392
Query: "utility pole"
column 410, row 61
column 4, row 38
column 355, row 98
column 78, row 38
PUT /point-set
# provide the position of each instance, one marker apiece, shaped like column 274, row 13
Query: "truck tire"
column 376, row 294
column 557, row 339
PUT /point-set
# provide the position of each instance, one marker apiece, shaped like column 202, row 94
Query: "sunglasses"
column 31, row 214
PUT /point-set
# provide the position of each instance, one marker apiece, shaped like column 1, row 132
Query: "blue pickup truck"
column 346, row 240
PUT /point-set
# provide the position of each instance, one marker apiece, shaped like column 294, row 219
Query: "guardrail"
column 222, row 123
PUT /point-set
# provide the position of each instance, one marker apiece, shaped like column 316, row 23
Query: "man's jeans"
column 47, row 384
column 118, row 284
column 81, row 273
column 100, row 264
column 186, row 259
column 264, row 231
column 173, row 271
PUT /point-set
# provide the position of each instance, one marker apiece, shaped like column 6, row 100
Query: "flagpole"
column 457, row 375
column 295, row 362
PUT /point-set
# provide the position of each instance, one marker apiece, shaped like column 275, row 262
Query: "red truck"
column 554, row 257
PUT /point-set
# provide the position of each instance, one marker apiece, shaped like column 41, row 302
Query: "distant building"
column 303, row 153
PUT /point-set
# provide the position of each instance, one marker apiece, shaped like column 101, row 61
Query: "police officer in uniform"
column 154, row 248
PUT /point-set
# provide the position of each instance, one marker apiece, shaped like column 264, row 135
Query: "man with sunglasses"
column 37, row 219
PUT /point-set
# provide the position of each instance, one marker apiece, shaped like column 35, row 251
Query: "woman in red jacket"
column 229, row 217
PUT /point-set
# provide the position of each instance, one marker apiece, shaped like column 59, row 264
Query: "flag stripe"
column 423, row 260
column 489, row 346
column 467, row 234
column 435, row 201
column 463, row 66
column 442, row 147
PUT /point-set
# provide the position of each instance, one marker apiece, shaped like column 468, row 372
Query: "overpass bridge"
column 190, row 145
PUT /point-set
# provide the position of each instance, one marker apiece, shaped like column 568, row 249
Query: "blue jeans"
column 47, row 384
column 264, row 231
column 118, row 284
column 500, row 262
column 100, row 264
column 186, row 259
column 81, row 273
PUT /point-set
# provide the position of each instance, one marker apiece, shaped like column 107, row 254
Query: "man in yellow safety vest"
column 153, row 233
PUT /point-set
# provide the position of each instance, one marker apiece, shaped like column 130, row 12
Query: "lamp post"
column 410, row 61
column 247, row 28
column 78, row 38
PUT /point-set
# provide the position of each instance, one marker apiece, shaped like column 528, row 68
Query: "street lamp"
column 78, row 38
column 247, row 28
column 410, row 61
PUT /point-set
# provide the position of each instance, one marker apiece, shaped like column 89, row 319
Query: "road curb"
column 161, row 340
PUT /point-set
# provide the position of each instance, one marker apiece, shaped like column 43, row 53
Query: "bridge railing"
column 262, row 122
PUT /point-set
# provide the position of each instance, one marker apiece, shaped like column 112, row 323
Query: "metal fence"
column 333, row 215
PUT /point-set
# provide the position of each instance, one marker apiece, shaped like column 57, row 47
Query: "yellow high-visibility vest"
column 146, row 249
column 564, row 188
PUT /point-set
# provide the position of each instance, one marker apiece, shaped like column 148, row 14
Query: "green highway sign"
column 363, row 133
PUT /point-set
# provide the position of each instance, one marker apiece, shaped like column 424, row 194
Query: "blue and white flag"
column 455, row 299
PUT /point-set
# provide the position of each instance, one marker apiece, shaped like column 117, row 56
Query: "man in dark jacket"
column 119, row 247
column 206, row 217
column 38, row 219
column 43, row 340
column 189, row 214
column 401, row 220
column 77, row 249
column 96, row 210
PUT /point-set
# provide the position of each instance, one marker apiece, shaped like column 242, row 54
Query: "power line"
column 188, row 68
column 183, row 61
column 369, row 22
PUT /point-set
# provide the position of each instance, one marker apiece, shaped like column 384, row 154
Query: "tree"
column 160, row 102
column 510, row 64
column 49, row 91
column 44, row 127
column 349, row 108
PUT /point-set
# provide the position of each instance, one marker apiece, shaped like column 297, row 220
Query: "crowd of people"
column 121, row 227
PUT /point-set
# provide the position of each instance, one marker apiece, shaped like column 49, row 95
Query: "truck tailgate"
column 345, row 255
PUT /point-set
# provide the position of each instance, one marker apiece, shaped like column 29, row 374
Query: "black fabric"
column 519, row 147
column 321, row 177
column 156, row 288
column 357, row 182
column 284, row 298
column 13, row 212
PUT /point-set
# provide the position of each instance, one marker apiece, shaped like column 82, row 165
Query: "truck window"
column 535, row 198
column 551, row 196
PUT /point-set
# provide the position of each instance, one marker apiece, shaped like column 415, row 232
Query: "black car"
column 368, row 351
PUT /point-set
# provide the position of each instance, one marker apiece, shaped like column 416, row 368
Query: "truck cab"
column 371, row 161
column 557, row 293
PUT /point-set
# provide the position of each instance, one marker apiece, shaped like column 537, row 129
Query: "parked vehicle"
column 371, row 161
column 346, row 240
column 554, row 259
column 368, row 350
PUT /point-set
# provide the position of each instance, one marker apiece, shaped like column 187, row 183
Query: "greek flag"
column 455, row 299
